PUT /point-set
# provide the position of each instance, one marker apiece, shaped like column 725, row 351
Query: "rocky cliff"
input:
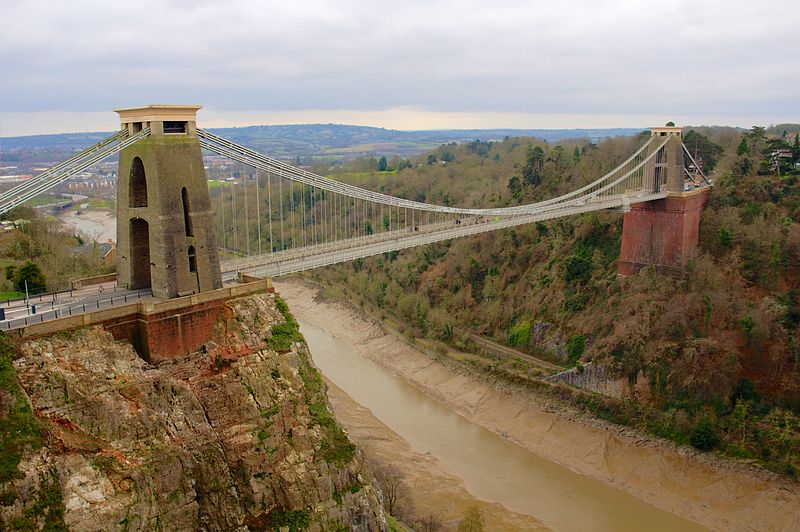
column 237, row 436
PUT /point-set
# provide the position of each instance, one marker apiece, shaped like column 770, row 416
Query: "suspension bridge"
column 175, row 238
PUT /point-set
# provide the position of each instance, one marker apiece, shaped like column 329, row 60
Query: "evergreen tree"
column 743, row 148
column 703, row 149
column 31, row 276
column 534, row 163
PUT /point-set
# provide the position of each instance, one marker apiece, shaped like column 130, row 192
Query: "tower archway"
column 137, row 184
column 141, row 276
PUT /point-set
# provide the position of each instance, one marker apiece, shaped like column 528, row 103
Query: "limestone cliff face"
column 237, row 436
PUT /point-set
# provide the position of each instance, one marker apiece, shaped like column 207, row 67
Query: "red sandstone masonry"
column 158, row 330
column 662, row 232
column 165, row 335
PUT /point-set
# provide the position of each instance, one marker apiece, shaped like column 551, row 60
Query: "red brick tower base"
column 661, row 233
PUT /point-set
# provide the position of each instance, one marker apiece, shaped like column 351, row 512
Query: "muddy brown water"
column 492, row 468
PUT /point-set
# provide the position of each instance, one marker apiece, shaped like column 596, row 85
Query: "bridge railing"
column 346, row 243
column 74, row 310
column 403, row 240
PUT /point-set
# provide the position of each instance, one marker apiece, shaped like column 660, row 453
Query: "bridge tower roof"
column 158, row 113
column 666, row 131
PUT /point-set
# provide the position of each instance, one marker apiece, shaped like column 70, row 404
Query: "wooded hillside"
column 715, row 350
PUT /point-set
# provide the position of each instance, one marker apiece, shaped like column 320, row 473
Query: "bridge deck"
column 292, row 261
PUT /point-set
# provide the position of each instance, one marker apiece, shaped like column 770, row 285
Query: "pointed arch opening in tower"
column 137, row 184
column 192, row 259
column 140, row 254
column 187, row 220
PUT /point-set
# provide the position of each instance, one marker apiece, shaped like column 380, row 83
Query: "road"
column 45, row 307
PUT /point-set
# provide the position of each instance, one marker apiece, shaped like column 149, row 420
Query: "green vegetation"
column 29, row 278
column 18, row 426
column 283, row 335
column 354, row 487
column 102, row 204
column 45, row 199
column 704, row 437
column 335, row 448
column 693, row 342
column 295, row 520
column 575, row 348
column 520, row 334
column 43, row 253
column 394, row 526
column 47, row 513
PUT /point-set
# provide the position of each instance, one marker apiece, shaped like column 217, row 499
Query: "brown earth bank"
column 237, row 436
column 717, row 493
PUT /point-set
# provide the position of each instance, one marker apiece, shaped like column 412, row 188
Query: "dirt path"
column 718, row 494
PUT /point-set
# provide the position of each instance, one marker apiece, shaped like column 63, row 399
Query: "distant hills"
column 328, row 140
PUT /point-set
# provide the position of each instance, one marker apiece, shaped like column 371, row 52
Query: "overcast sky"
column 64, row 64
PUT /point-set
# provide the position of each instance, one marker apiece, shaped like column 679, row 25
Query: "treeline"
column 712, row 354
column 40, row 254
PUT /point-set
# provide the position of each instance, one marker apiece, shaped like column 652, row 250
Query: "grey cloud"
column 715, row 57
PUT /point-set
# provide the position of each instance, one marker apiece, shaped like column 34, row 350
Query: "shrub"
column 725, row 237
column 575, row 348
column 520, row 334
column 704, row 437
column 18, row 426
column 577, row 269
column 30, row 276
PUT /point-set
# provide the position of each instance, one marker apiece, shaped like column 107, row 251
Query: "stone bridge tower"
column 165, row 233
column 663, row 233
column 669, row 160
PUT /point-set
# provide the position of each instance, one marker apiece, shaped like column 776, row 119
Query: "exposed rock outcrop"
column 237, row 436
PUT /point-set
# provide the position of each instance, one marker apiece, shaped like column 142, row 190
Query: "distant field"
column 381, row 148
column 45, row 199
column 102, row 204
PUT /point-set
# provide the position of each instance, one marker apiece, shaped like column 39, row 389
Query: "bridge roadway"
column 296, row 260
column 95, row 297
column 45, row 307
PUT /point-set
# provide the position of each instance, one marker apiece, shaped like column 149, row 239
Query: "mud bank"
column 100, row 226
column 713, row 492
column 432, row 489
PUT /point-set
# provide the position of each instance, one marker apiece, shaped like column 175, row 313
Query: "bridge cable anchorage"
column 80, row 162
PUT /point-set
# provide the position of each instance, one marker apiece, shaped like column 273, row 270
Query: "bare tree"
column 431, row 523
column 473, row 521
column 394, row 490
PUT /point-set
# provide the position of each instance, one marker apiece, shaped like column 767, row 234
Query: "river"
column 492, row 468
